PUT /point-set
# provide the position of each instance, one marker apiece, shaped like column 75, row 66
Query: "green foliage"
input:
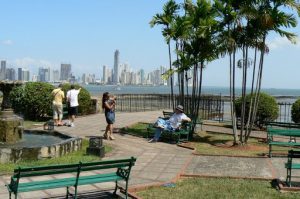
column 267, row 108
column 296, row 111
column 84, row 99
column 33, row 100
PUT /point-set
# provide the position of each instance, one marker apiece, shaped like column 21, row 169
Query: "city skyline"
column 86, row 34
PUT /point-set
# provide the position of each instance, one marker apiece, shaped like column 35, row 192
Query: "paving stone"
column 156, row 162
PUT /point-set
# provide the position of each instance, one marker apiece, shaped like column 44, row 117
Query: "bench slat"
column 285, row 143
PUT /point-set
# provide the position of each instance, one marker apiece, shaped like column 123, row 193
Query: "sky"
column 86, row 33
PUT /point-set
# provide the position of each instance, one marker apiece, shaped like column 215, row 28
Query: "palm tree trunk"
column 171, row 77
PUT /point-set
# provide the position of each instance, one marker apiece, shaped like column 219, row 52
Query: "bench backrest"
column 283, row 124
column 284, row 132
column 72, row 168
column 167, row 114
column 294, row 154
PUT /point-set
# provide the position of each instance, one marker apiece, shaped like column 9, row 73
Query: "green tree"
column 295, row 111
column 33, row 100
column 170, row 10
column 247, row 24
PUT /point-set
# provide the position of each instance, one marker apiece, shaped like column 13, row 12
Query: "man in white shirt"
column 171, row 124
column 72, row 97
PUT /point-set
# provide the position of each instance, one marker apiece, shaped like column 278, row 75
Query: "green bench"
column 284, row 132
column 65, row 111
column 199, row 121
column 290, row 165
column 167, row 114
column 181, row 134
column 81, row 176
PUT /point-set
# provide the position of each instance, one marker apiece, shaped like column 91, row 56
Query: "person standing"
column 57, row 105
column 108, row 104
column 72, row 98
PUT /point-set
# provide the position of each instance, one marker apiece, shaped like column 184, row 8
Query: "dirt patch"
column 248, row 147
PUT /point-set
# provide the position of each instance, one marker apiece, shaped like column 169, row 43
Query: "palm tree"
column 251, row 21
column 170, row 10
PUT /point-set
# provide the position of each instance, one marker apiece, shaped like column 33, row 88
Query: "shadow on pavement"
column 91, row 195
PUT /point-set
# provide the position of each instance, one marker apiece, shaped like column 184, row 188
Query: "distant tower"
column 105, row 75
column 116, row 67
column 20, row 78
column 3, row 70
column 65, row 72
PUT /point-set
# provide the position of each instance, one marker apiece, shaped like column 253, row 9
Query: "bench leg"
column 116, row 187
column 67, row 194
column 270, row 150
column 126, row 191
column 75, row 194
column 288, row 177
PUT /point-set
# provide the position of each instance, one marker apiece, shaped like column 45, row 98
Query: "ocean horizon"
column 281, row 95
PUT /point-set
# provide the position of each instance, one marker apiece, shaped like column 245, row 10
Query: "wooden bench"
column 284, row 132
column 290, row 165
column 167, row 114
column 81, row 176
column 181, row 134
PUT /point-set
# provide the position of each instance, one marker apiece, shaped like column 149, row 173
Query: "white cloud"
column 282, row 42
column 33, row 64
column 28, row 61
column 7, row 42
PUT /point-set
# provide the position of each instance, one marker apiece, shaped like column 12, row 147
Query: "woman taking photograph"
column 108, row 104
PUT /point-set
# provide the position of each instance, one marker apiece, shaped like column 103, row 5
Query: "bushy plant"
column 84, row 99
column 267, row 109
column 33, row 100
column 296, row 111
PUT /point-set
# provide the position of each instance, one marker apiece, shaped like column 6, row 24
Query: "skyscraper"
column 44, row 74
column 65, row 72
column 116, row 67
column 11, row 74
column 3, row 70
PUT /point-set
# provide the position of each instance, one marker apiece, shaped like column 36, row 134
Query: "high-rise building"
column 55, row 76
column 20, row 74
column 44, row 74
column 65, row 72
column 3, row 70
column 25, row 75
column 11, row 74
column 105, row 74
column 116, row 67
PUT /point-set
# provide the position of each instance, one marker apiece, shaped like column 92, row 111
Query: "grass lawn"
column 211, row 143
column 217, row 188
column 73, row 157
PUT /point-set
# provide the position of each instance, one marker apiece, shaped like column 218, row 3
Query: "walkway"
column 158, row 162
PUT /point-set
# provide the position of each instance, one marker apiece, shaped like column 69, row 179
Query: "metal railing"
column 211, row 107
column 284, row 112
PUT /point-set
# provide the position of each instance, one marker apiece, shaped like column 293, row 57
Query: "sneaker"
column 71, row 125
column 152, row 140
column 160, row 126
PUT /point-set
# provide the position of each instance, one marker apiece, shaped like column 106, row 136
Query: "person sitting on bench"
column 170, row 124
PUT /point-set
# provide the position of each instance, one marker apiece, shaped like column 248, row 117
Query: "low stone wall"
column 15, row 153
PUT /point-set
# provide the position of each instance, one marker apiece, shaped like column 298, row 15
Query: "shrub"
column 32, row 100
column 267, row 109
column 84, row 99
column 296, row 111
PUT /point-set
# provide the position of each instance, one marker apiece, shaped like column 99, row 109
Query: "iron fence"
column 211, row 107
column 284, row 112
